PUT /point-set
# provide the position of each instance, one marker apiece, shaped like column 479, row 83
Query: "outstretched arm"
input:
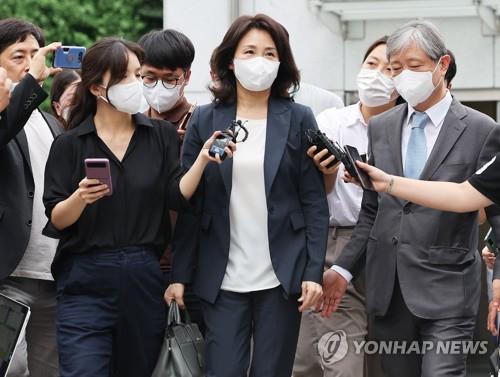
column 444, row 196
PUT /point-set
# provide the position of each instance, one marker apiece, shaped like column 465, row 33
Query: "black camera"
column 319, row 139
column 348, row 155
column 229, row 134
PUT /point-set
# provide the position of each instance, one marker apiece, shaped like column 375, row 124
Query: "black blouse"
column 145, row 187
column 487, row 180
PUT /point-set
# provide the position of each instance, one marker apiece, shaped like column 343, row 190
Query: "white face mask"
column 374, row 88
column 256, row 74
column 126, row 98
column 162, row 99
column 415, row 87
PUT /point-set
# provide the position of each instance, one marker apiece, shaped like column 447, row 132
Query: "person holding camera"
column 111, row 314
column 26, row 135
column 255, row 253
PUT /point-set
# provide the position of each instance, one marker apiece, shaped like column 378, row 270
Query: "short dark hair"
column 13, row 30
column 374, row 45
column 167, row 49
column 60, row 83
column 452, row 68
column 109, row 54
column 288, row 74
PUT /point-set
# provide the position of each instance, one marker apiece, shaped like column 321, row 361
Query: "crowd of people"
column 271, row 248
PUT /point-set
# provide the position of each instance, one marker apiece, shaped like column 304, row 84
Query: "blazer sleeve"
column 314, row 206
column 353, row 255
column 186, row 234
column 25, row 98
column 58, row 181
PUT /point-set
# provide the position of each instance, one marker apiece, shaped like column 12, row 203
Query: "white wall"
column 323, row 56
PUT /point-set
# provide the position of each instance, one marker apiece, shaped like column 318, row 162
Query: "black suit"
column 16, row 179
column 297, row 230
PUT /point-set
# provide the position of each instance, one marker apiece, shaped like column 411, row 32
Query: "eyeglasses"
column 171, row 83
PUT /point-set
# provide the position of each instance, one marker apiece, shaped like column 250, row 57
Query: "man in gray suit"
column 422, row 266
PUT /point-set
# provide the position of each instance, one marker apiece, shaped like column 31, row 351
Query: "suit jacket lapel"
column 395, row 129
column 53, row 124
column 223, row 116
column 22, row 142
column 451, row 130
column 278, row 127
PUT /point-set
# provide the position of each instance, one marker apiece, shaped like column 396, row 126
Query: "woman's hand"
column 175, row 292
column 321, row 162
column 91, row 190
column 206, row 147
column 380, row 179
column 311, row 293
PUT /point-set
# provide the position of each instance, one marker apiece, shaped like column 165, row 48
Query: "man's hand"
column 311, row 293
column 334, row 287
column 488, row 257
column 175, row 292
column 321, row 162
column 38, row 68
column 5, row 84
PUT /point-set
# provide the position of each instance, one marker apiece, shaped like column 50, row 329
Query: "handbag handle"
column 174, row 315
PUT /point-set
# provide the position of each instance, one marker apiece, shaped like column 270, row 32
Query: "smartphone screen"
column 98, row 168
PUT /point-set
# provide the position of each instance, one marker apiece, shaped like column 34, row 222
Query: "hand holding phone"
column 68, row 57
column 98, row 168
column 361, row 176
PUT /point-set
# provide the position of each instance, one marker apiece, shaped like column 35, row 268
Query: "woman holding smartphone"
column 111, row 315
column 259, row 245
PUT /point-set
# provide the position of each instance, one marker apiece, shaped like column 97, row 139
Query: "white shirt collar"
column 357, row 115
column 436, row 113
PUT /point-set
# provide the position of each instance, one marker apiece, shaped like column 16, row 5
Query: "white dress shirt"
column 347, row 127
column 249, row 266
column 40, row 251
column 436, row 114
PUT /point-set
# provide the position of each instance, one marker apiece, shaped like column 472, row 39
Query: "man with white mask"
column 422, row 267
column 165, row 73
column 314, row 357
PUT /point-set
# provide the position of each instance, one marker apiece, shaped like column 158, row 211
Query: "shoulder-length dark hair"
column 374, row 45
column 109, row 54
column 287, row 81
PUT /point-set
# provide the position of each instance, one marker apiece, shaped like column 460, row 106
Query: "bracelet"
column 388, row 189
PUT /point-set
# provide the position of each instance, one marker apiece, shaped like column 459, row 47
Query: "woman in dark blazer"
column 256, row 249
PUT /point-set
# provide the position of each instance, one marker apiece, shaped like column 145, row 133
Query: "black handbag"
column 182, row 353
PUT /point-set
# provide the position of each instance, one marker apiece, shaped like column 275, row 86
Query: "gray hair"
column 423, row 34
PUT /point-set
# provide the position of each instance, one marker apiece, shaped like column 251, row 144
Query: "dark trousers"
column 399, row 324
column 271, row 319
column 111, row 314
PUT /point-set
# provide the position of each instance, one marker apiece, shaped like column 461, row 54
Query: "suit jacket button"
column 395, row 240
column 31, row 194
column 29, row 222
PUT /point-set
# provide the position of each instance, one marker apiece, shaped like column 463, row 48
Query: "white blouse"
column 249, row 266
